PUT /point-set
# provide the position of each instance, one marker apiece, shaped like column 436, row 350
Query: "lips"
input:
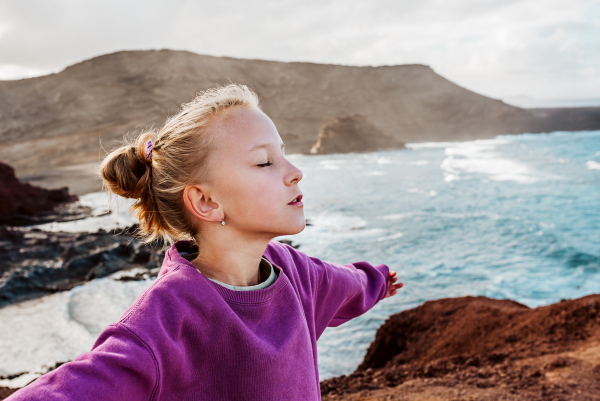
column 297, row 199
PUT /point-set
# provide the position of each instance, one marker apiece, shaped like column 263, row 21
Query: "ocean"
column 512, row 217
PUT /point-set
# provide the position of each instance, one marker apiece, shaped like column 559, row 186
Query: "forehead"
column 243, row 129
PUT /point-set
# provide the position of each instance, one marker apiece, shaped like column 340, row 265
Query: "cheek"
column 257, row 197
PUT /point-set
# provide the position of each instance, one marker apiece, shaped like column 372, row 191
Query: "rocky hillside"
column 72, row 117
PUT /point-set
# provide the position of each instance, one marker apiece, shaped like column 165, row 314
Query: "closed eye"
column 264, row 164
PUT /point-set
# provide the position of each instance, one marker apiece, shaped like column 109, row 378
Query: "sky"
column 532, row 52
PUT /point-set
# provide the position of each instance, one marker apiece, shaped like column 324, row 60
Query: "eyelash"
column 264, row 164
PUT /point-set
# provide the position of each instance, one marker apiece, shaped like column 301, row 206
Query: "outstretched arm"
column 119, row 367
column 343, row 292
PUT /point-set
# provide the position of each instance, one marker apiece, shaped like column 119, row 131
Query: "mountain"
column 74, row 117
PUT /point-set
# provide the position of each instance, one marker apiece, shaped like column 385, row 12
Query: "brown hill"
column 480, row 348
column 65, row 119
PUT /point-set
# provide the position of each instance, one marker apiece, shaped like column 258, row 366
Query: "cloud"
column 541, row 48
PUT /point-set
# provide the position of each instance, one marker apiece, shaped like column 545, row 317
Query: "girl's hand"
column 393, row 288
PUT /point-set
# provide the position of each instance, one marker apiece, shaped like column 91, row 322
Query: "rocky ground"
column 24, row 204
column 476, row 348
column 34, row 263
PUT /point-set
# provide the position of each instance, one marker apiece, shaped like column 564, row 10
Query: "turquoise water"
column 514, row 217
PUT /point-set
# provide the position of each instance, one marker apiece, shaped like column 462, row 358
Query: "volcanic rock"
column 25, row 204
column 352, row 133
column 480, row 348
column 34, row 263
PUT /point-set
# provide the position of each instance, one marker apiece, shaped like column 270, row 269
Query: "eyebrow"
column 265, row 145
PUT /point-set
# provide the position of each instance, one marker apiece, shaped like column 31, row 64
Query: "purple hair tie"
column 149, row 147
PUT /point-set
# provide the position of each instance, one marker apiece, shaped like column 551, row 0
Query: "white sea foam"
column 119, row 217
column 333, row 221
column 429, row 145
column 390, row 237
column 592, row 165
column 397, row 216
column 448, row 177
column 384, row 160
column 482, row 157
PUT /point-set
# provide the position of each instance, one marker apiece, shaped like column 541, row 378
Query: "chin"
column 296, row 227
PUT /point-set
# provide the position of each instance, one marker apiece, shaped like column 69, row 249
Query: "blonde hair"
column 178, row 159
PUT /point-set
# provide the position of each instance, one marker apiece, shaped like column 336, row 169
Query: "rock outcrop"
column 24, row 204
column 480, row 348
column 352, row 133
column 34, row 263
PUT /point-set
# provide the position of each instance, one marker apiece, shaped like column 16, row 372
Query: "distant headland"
column 55, row 128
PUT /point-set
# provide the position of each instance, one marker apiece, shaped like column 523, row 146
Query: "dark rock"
column 34, row 263
column 23, row 204
column 289, row 242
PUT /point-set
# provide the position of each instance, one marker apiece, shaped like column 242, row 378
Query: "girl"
column 232, row 315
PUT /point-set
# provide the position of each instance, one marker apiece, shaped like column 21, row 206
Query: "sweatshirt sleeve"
column 120, row 366
column 344, row 292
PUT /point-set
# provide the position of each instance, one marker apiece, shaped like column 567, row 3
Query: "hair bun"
column 126, row 171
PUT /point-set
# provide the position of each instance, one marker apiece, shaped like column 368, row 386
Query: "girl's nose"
column 295, row 174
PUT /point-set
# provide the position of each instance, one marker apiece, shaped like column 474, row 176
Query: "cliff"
column 480, row 348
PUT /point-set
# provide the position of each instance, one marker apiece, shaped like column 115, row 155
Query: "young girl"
column 232, row 315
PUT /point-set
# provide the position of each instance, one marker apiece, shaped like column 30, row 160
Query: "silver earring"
column 222, row 222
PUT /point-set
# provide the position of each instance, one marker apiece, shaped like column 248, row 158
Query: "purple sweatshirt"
column 189, row 338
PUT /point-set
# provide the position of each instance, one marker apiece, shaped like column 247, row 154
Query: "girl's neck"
column 237, row 266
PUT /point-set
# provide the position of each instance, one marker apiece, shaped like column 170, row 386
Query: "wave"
column 483, row 157
column 592, row 165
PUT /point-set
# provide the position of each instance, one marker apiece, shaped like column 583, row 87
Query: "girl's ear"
column 200, row 205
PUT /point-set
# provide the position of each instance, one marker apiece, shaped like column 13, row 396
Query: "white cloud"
column 540, row 48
